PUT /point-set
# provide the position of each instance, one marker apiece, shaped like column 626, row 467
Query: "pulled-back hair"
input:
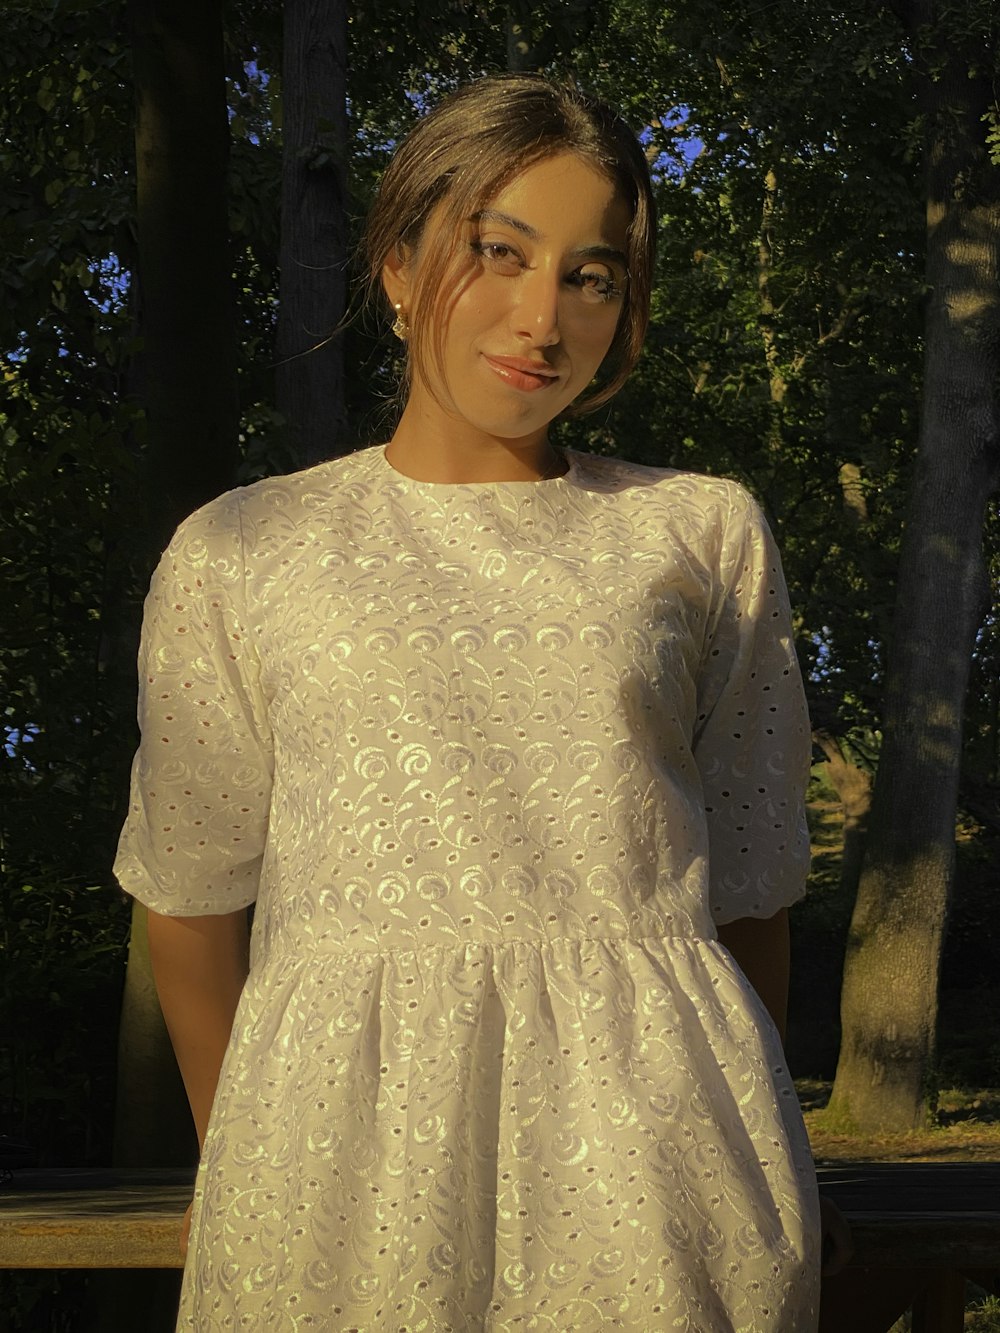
column 466, row 150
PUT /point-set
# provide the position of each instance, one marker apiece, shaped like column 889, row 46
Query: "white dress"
column 493, row 760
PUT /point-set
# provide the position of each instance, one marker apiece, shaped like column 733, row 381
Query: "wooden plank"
column 125, row 1241
column 940, row 1308
column 937, row 1240
column 93, row 1219
column 913, row 1186
column 940, row 1215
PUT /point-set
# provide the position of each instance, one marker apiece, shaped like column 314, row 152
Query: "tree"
column 187, row 368
column 891, row 971
column 310, row 375
column 187, row 386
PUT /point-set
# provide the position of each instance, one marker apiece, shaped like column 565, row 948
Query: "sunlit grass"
column 967, row 1129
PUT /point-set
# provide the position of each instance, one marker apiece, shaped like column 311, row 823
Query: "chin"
column 504, row 426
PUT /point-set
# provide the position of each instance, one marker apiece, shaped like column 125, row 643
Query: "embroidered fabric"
column 493, row 760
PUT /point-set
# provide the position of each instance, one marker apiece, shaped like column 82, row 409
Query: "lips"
column 521, row 373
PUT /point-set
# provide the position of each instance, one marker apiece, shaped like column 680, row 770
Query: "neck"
column 443, row 451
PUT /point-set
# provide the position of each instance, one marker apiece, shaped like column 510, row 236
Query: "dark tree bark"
column 187, row 313
column 310, row 376
column 889, row 1000
column 185, row 378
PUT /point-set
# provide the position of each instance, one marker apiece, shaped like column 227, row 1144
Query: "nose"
column 536, row 314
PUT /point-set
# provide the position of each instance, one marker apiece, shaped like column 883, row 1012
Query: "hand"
column 186, row 1230
column 837, row 1246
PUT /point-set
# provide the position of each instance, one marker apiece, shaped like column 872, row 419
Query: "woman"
column 509, row 746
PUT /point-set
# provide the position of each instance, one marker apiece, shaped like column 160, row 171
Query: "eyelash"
column 605, row 288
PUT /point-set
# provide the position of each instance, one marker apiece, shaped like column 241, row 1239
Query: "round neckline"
column 532, row 484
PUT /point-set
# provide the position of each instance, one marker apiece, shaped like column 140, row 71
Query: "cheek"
column 470, row 316
column 595, row 334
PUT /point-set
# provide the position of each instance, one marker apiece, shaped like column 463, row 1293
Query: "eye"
column 595, row 283
column 500, row 256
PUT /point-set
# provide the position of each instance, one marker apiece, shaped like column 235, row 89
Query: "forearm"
column 761, row 947
column 200, row 965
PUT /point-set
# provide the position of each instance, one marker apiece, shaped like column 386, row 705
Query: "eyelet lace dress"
column 493, row 760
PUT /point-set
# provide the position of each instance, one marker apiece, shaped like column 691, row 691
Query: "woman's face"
column 537, row 296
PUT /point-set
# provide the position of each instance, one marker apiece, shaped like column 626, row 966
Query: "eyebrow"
column 608, row 252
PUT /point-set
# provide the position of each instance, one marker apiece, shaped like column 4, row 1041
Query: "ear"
column 397, row 274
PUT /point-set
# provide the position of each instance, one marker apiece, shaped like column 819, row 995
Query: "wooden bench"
column 919, row 1229
column 101, row 1218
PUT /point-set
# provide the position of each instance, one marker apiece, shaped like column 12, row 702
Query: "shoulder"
column 711, row 506
column 276, row 506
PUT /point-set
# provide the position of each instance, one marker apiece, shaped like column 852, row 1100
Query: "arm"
column 752, row 745
column 199, row 965
column 761, row 948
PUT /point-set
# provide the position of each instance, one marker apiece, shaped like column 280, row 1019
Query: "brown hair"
column 467, row 149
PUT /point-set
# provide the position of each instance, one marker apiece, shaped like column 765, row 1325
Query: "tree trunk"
column 187, row 382
column 188, row 388
column 187, row 314
column 313, row 260
column 185, row 378
column 889, row 999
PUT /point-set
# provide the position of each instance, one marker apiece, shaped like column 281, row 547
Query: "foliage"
column 68, row 444
column 984, row 1316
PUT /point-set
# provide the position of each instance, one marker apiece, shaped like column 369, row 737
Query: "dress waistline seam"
column 486, row 944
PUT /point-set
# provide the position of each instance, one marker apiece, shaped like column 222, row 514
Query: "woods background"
column 181, row 188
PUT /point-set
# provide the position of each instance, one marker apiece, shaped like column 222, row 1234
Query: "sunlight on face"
column 538, row 293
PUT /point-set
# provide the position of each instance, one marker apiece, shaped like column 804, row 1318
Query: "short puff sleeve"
column 752, row 739
column 200, row 790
